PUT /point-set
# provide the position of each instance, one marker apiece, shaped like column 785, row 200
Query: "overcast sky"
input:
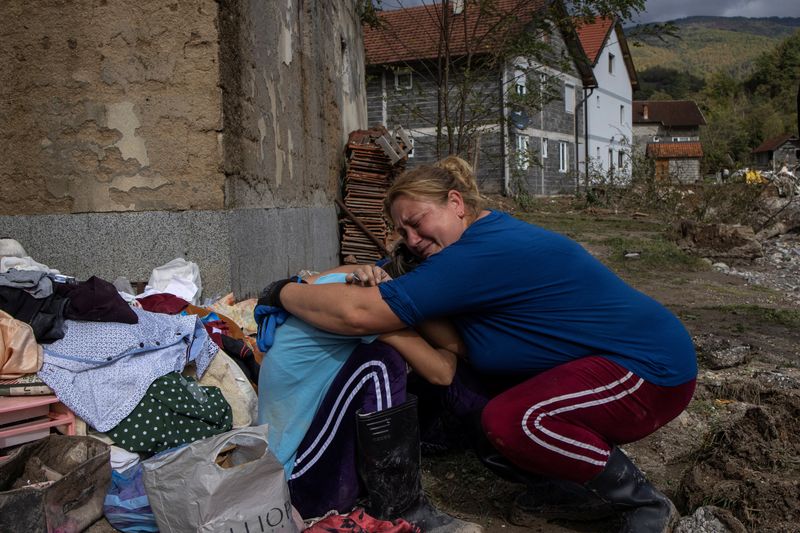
column 664, row 10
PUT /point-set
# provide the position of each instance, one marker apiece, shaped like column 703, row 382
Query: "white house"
column 608, row 107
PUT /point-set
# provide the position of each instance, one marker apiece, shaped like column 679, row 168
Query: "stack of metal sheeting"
column 369, row 174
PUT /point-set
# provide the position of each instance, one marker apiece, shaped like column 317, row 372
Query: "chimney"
column 645, row 112
column 458, row 7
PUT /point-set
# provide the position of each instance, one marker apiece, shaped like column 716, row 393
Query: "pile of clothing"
column 150, row 372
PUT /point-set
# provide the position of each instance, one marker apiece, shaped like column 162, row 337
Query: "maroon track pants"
column 562, row 423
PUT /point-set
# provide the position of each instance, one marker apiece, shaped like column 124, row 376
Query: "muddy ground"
column 737, row 446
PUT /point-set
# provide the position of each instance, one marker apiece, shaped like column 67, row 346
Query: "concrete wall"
column 134, row 132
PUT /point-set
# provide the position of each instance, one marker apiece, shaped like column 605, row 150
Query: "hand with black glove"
column 271, row 294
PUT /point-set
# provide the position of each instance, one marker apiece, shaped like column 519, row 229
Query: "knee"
column 496, row 424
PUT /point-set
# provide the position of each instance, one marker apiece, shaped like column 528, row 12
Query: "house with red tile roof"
column 518, row 148
column 609, row 106
column 675, row 124
column 678, row 161
column 776, row 152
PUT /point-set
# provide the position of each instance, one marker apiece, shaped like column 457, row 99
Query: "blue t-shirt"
column 526, row 299
column 295, row 376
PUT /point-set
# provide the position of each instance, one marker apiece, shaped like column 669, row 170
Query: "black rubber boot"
column 644, row 508
column 389, row 464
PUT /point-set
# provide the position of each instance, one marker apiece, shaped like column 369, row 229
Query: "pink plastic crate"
column 27, row 418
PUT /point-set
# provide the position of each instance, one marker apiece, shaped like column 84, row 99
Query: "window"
column 523, row 144
column 569, row 98
column 610, row 159
column 563, row 156
column 402, row 79
column 544, row 148
column 620, row 159
column 521, row 82
column 622, row 114
column 598, row 101
column 611, row 63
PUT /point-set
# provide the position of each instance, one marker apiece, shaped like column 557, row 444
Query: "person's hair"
column 401, row 260
column 434, row 182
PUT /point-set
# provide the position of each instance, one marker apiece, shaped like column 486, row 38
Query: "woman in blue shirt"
column 594, row 363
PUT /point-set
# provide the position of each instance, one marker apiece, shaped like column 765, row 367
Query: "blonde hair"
column 434, row 182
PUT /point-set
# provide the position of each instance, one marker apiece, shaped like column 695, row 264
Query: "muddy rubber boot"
column 389, row 464
column 644, row 508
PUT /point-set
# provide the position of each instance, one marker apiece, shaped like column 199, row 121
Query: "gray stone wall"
column 416, row 108
column 374, row 87
column 684, row 170
column 137, row 132
column 544, row 177
column 786, row 154
column 643, row 135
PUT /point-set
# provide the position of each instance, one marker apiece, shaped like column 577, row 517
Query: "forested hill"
column 742, row 72
column 708, row 44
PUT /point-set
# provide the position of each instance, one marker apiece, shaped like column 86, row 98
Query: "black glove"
column 271, row 294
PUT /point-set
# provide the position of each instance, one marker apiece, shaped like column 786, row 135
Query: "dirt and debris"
column 731, row 461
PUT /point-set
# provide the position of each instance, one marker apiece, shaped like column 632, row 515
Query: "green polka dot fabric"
column 174, row 411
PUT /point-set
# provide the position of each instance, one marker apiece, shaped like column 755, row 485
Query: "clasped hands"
column 367, row 276
column 363, row 275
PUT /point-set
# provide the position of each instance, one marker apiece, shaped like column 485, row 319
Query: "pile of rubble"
column 778, row 268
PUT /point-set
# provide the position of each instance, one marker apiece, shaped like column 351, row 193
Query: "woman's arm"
column 339, row 308
column 441, row 333
column 435, row 365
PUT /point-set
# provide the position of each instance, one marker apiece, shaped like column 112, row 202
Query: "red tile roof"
column 593, row 36
column 413, row 33
column 770, row 145
column 668, row 112
column 674, row 150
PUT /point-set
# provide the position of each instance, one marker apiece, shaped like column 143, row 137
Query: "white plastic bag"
column 190, row 493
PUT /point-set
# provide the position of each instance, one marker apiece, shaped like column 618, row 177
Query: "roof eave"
column 626, row 55
column 571, row 39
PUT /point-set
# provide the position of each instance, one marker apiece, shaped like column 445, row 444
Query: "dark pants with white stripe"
column 563, row 423
column 324, row 476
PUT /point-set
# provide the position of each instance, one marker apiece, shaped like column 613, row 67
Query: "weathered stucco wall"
column 292, row 81
column 293, row 85
column 109, row 105
column 225, row 121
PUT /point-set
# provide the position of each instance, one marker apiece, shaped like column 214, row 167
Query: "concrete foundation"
column 280, row 242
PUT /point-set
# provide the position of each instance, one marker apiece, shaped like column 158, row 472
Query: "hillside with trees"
column 704, row 44
column 743, row 73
